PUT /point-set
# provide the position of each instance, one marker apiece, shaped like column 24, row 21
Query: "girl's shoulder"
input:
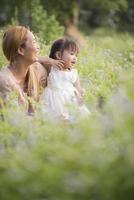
column 55, row 70
column 74, row 71
column 74, row 75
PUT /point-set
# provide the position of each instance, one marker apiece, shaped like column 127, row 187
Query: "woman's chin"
column 35, row 59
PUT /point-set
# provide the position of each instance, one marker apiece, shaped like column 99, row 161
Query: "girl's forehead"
column 73, row 49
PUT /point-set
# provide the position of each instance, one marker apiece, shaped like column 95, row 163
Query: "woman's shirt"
column 8, row 82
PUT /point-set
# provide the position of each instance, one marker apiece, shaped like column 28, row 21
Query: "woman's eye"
column 34, row 41
column 72, row 53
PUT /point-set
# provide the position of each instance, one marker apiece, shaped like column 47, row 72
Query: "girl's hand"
column 79, row 97
column 83, row 92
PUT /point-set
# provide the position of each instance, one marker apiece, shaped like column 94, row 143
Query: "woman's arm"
column 48, row 62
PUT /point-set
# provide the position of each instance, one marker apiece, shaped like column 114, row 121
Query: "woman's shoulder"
column 41, row 73
column 6, row 83
column 4, row 70
column 4, row 74
column 39, row 69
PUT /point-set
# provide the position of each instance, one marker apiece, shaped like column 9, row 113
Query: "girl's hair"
column 61, row 45
column 14, row 38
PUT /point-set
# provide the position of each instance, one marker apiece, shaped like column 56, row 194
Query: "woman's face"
column 31, row 48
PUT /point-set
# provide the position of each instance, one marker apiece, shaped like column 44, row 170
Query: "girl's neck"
column 19, row 70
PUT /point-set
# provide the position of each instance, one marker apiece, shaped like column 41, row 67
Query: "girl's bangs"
column 73, row 47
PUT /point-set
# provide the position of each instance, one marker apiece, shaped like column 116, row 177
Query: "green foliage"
column 2, row 58
column 87, row 160
column 62, row 9
column 115, row 13
column 32, row 14
column 106, row 5
column 91, row 159
column 104, row 59
column 45, row 25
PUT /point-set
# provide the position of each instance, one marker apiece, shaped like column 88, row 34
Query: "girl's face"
column 69, row 57
column 30, row 51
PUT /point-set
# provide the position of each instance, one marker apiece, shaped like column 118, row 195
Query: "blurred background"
column 49, row 18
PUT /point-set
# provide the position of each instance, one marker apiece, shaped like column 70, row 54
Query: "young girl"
column 63, row 96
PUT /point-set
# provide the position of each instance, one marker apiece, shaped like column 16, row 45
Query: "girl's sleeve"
column 74, row 75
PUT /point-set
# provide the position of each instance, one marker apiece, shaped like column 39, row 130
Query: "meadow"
column 91, row 159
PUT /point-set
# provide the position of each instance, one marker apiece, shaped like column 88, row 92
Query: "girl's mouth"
column 73, row 63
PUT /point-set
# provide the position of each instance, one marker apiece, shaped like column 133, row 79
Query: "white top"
column 60, row 95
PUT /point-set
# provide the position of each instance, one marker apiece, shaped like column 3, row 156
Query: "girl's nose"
column 75, row 58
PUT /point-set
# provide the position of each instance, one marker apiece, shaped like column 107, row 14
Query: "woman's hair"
column 61, row 45
column 32, row 82
column 14, row 38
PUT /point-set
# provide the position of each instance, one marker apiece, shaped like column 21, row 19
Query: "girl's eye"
column 74, row 54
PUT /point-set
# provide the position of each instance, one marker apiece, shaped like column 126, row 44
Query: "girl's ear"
column 20, row 51
column 58, row 55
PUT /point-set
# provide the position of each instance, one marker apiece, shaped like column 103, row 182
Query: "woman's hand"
column 58, row 63
column 48, row 62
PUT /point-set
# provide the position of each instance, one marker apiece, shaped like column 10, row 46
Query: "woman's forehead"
column 30, row 35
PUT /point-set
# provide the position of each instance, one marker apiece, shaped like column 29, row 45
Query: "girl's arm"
column 81, row 91
column 78, row 87
column 48, row 62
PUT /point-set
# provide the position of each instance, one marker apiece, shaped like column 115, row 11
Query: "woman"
column 24, row 73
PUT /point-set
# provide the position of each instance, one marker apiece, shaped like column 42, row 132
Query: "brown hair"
column 12, row 40
column 32, row 83
column 62, row 44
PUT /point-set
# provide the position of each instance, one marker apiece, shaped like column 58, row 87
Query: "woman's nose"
column 37, row 47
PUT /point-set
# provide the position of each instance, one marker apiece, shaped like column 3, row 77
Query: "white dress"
column 60, row 96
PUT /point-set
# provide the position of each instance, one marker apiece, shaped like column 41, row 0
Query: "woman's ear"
column 58, row 55
column 20, row 51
